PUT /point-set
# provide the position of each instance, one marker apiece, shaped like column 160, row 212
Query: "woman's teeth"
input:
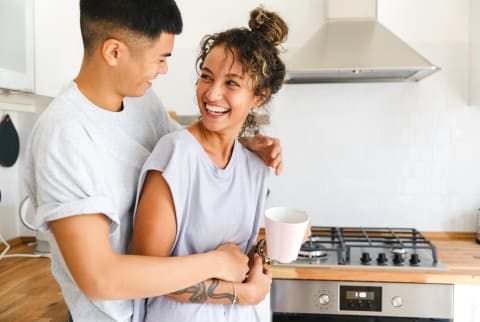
column 216, row 109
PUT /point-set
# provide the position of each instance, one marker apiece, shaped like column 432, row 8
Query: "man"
column 85, row 154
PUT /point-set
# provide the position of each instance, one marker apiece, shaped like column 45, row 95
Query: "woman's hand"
column 257, row 286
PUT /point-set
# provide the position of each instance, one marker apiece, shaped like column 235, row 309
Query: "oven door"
column 299, row 317
column 312, row 300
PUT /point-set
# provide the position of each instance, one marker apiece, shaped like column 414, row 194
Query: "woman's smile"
column 216, row 110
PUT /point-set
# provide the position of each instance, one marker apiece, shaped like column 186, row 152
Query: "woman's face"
column 224, row 93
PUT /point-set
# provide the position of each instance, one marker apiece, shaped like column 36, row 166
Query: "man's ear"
column 111, row 51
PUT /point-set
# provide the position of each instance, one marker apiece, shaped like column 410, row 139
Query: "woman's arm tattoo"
column 201, row 295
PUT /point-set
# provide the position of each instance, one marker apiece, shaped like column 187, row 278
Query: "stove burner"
column 313, row 248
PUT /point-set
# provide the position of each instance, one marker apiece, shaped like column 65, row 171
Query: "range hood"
column 355, row 48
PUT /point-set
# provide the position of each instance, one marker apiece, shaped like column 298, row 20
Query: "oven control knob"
column 414, row 259
column 382, row 259
column 397, row 301
column 365, row 258
column 398, row 259
column 324, row 299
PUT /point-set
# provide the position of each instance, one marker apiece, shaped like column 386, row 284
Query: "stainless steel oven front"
column 343, row 301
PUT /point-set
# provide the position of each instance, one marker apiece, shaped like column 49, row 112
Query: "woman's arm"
column 154, row 234
column 251, row 292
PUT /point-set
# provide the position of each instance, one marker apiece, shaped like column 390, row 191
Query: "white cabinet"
column 466, row 303
column 41, row 45
column 17, row 50
column 475, row 52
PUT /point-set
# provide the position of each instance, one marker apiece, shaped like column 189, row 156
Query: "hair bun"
column 268, row 25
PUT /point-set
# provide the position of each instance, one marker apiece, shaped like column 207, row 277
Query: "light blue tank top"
column 213, row 206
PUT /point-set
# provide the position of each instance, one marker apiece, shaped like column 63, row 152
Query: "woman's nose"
column 214, row 92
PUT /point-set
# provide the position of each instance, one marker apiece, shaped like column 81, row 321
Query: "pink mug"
column 284, row 232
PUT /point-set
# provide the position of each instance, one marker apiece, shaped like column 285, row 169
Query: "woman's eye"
column 205, row 77
column 232, row 83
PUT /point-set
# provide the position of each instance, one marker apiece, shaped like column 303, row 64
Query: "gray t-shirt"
column 213, row 206
column 84, row 159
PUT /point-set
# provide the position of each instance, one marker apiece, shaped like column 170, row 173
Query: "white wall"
column 396, row 154
column 475, row 52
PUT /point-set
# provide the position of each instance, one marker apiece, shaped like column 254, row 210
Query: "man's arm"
column 103, row 274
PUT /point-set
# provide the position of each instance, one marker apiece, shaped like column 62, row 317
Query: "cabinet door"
column 16, row 39
column 466, row 303
column 58, row 45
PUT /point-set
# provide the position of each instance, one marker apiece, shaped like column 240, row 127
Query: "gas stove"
column 400, row 248
column 360, row 301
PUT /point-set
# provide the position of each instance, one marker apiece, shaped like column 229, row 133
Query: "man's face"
column 142, row 63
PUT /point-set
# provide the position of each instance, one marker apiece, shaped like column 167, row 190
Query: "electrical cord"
column 7, row 248
column 4, row 254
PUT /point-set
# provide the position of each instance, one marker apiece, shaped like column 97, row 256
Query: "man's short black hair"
column 104, row 19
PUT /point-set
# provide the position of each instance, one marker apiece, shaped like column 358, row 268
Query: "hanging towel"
column 9, row 142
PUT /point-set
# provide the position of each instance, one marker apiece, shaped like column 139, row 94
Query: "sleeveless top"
column 213, row 206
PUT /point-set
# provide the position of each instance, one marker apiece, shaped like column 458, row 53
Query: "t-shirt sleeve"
column 69, row 176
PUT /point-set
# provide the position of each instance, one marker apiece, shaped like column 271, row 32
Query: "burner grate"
column 343, row 239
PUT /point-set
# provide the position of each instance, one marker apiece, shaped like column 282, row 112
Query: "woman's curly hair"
column 257, row 49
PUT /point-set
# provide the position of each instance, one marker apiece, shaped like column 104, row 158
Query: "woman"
column 200, row 187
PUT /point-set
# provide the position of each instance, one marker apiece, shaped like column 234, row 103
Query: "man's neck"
column 96, row 87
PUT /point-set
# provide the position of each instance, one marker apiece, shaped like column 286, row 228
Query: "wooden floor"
column 28, row 291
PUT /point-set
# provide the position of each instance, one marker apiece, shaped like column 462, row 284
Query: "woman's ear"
column 111, row 51
column 261, row 99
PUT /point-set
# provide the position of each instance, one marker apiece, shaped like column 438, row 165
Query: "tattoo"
column 200, row 294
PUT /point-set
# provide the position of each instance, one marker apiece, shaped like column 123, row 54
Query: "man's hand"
column 268, row 149
column 233, row 263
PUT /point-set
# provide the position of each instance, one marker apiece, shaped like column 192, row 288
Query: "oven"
column 354, row 301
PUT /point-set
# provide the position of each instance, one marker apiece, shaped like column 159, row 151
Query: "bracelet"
column 235, row 298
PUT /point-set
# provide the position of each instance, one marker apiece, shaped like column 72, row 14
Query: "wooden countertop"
column 457, row 251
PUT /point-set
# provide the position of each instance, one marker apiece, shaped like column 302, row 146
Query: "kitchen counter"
column 457, row 251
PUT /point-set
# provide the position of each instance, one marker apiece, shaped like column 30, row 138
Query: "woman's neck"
column 218, row 146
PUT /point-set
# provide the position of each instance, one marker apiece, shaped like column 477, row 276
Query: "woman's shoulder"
column 173, row 141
